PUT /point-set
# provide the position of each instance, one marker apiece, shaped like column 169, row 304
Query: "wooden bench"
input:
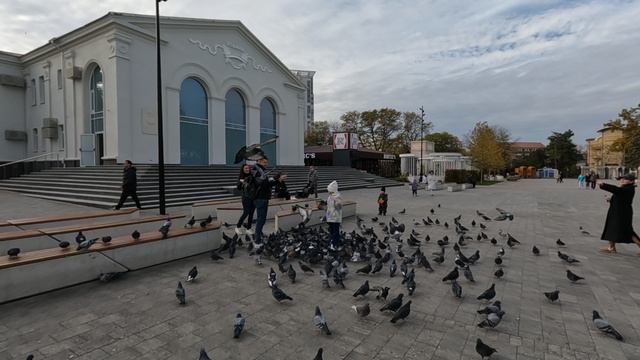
column 205, row 208
column 288, row 219
column 35, row 222
column 38, row 271
column 36, row 239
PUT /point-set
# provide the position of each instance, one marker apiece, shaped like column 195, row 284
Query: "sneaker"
column 249, row 232
column 239, row 230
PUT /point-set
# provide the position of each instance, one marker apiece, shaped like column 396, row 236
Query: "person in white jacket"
column 432, row 181
column 334, row 215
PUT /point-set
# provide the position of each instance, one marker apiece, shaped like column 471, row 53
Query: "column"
column 118, row 97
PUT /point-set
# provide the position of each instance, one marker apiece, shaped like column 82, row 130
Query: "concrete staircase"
column 100, row 186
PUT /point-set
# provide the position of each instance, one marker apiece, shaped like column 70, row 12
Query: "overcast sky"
column 532, row 66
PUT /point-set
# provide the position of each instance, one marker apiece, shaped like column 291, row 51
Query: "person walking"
column 618, row 227
column 580, row 181
column 333, row 215
column 587, row 180
column 129, row 185
column 383, row 201
column 312, row 181
column 244, row 180
column 414, row 186
column 432, row 181
column 260, row 189
column 594, row 179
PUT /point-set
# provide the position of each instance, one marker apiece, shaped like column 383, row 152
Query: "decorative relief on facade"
column 234, row 55
column 119, row 46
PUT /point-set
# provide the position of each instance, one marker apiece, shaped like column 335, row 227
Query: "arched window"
column 268, row 128
column 96, row 101
column 194, row 123
column 236, row 124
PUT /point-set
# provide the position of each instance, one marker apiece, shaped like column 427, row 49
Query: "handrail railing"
column 35, row 157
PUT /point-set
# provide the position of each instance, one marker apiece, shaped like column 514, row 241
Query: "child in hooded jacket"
column 333, row 215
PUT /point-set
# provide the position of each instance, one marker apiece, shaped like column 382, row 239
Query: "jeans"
column 247, row 212
column 334, row 230
column 261, row 206
column 125, row 194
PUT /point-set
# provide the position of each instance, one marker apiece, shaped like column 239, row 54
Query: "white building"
column 306, row 77
column 222, row 88
column 438, row 162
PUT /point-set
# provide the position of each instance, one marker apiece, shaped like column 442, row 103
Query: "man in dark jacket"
column 129, row 185
column 261, row 192
column 312, row 182
column 618, row 227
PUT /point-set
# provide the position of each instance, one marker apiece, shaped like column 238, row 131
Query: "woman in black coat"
column 618, row 227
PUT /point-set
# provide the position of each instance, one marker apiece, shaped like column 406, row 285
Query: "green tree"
column 318, row 133
column 503, row 136
column 445, row 142
column 562, row 153
column 537, row 159
column 485, row 149
column 629, row 122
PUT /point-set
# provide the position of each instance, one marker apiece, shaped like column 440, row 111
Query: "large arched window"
column 236, row 124
column 268, row 128
column 96, row 101
column 194, row 123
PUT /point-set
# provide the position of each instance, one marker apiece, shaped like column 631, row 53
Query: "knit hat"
column 333, row 187
column 383, row 189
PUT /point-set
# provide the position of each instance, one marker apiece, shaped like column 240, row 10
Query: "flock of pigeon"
column 397, row 249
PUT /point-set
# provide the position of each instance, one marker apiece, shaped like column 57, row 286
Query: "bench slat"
column 76, row 228
column 68, row 217
column 118, row 242
column 20, row 234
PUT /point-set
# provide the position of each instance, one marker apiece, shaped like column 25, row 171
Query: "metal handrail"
column 33, row 158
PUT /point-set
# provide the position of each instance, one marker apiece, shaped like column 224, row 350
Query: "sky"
column 533, row 66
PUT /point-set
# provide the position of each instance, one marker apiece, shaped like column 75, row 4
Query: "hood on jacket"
column 333, row 187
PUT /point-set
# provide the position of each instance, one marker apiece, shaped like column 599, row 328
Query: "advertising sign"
column 340, row 141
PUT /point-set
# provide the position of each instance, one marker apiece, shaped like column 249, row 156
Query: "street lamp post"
column 421, row 140
column 161, row 195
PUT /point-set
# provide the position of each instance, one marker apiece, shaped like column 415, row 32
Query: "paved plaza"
column 138, row 316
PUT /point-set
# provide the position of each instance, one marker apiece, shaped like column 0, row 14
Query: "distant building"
column 520, row 149
column 306, row 77
column 600, row 158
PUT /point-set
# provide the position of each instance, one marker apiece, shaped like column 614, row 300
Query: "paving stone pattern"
column 138, row 317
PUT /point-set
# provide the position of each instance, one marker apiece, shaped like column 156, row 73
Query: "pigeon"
column 501, row 252
column 474, row 258
column 318, row 354
column 164, row 229
column 409, row 276
column 362, row 310
column 271, row 278
column 402, row 211
column 30, row 357
column 499, row 273
column 190, row 223
column 432, row 211
column 80, row 237
column 106, row 277
column 291, row 274
column 324, row 278
column 483, row 349
column 422, row 261
column 560, row 243
column 215, row 256
column 535, row 250
column 279, row 295
column 402, row 312
column 374, row 219
column 456, row 289
column 393, row 268
column 604, row 326
column 338, row 278
column 63, row 244
column 466, row 271
column 584, row 232
column 483, row 226
column 193, row 273
column 439, row 259
column 394, row 304
column 85, row 245
column 411, row 286
column 364, row 270
column 453, row 275
column 238, row 325
column 492, row 320
column 493, row 241
column 573, row 277
column 567, row 258
column 473, row 223
column 488, row 294
column 498, row 261
column 181, row 294
column 13, row 253
column 203, row 355
column 362, row 290
column 377, row 266
column 383, row 292
column 495, row 307
column 320, row 322
column 306, row 269
column 135, row 235
column 553, row 295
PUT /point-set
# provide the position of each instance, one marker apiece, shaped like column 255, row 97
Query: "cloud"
column 533, row 66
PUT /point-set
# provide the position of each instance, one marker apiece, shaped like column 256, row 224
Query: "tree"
column 629, row 122
column 537, row 159
column 485, row 149
column 503, row 136
column 445, row 142
column 318, row 133
column 563, row 153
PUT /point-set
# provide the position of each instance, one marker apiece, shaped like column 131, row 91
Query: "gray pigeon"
column 456, row 289
column 318, row 355
column 320, row 322
column 181, row 294
column 279, row 295
column 85, row 245
column 203, row 355
column 362, row 310
column 466, row 271
column 492, row 320
column 238, row 325
column 604, row 326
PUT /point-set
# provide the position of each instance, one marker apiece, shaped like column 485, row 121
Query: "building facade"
column 306, row 77
column 90, row 95
column 520, row 149
column 600, row 158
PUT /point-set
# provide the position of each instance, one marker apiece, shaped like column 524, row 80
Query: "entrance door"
column 99, row 148
column 87, row 150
